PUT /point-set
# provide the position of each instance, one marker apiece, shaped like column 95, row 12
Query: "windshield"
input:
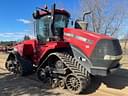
column 43, row 25
column 61, row 21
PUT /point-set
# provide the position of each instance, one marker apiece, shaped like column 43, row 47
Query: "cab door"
column 42, row 33
column 43, row 29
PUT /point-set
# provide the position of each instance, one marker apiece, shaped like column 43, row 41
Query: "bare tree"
column 125, row 43
column 103, row 19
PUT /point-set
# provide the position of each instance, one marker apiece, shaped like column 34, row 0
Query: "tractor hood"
column 86, row 34
column 88, row 41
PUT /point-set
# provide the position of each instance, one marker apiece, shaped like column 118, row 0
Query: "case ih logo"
column 79, row 38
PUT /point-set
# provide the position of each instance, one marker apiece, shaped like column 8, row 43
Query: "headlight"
column 110, row 57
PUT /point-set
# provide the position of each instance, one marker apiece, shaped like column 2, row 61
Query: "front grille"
column 105, row 47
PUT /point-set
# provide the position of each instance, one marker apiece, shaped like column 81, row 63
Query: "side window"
column 42, row 28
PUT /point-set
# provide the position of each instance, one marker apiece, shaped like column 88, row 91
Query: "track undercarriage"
column 60, row 70
column 64, row 71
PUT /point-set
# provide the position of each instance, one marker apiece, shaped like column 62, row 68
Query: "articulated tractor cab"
column 64, row 57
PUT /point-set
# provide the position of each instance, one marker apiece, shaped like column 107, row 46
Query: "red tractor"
column 67, row 57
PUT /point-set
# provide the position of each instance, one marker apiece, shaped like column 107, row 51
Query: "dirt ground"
column 113, row 85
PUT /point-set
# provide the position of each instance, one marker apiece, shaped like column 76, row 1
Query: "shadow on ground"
column 11, row 85
column 118, row 80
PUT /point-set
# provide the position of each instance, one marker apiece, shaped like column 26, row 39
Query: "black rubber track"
column 25, row 65
column 77, row 70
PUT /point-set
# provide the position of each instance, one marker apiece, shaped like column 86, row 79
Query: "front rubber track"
column 77, row 70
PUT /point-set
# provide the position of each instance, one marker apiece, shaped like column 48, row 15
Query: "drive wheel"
column 43, row 75
column 19, row 69
column 14, row 66
column 62, row 84
column 10, row 65
column 74, row 84
column 19, row 66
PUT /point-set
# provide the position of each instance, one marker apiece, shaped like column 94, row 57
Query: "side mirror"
column 36, row 14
